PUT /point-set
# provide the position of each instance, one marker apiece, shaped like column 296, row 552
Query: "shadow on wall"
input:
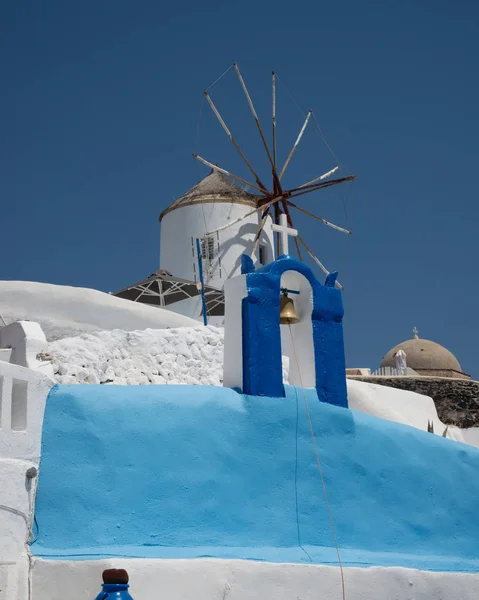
column 248, row 229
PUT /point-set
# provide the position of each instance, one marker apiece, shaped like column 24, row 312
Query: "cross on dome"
column 284, row 231
column 415, row 333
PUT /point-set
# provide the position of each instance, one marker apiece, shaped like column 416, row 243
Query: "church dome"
column 426, row 358
column 215, row 187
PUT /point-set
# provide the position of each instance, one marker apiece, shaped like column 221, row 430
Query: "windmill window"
column 209, row 249
column 262, row 258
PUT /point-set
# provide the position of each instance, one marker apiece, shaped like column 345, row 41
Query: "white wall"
column 65, row 311
column 23, row 394
column 408, row 408
column 179, row 226
column 210, row 579
column 16, row 506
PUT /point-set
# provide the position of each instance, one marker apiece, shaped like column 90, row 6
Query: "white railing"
column 393, row 372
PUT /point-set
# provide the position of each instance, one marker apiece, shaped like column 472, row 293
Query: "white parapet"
column 23, row 394
column 26, row 345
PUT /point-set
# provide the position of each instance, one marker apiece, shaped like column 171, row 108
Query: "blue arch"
column 262, row 369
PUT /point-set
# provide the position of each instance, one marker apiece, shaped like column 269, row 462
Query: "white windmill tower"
column 205, row 231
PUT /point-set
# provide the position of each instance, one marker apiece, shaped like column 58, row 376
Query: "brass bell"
column 287, row 314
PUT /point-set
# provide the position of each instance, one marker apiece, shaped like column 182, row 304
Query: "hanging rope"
column 318, row 462
column 296, row 464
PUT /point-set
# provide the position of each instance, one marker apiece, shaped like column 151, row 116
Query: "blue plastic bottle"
column 115, row 585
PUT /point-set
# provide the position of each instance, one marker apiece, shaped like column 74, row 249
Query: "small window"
column 19, row 405
column 262, row 254
column 208, row 249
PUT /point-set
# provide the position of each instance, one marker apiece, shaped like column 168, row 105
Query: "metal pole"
column 290, row 223
column 200, row 272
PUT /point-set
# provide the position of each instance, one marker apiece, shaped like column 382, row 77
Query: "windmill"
column 276, row 200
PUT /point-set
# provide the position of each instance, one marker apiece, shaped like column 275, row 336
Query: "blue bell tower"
column 256, row 341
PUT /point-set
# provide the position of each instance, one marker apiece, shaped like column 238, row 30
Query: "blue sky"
column 100, row 106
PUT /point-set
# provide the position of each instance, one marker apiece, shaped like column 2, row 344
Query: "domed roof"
column 215, row 187
column 423, row 355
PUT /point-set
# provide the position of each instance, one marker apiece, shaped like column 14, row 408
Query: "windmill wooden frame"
column 276, row 200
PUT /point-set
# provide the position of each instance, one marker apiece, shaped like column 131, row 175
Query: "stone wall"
column 443, row 373
column 457, row 400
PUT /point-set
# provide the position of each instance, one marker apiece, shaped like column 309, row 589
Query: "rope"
column 318, row 462
column 207, row 278
column 219, row 78
column 318, row 128
column 338, row 161
column 196, row 148
column 296, row 481
column 333, row 154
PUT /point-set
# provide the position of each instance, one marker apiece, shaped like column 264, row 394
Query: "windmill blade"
column 258, row 233
column 305, row 189
column 310, row 214
column 318, row 262
column 225, row 172
column 235, row 144
column 293, row 149
column 290, row 223
column 320, row 178
column 253, row 112
column 230, row 223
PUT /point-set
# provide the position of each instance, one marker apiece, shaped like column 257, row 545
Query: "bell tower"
column 281, row 308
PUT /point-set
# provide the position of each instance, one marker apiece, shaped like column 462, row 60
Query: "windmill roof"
column 215, row 187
